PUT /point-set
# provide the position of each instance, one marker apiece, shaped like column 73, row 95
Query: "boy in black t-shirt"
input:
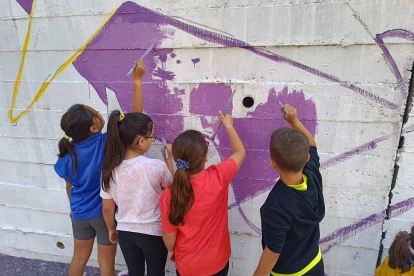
column 295, row 206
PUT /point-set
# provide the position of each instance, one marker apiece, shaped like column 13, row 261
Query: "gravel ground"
column 14, row 266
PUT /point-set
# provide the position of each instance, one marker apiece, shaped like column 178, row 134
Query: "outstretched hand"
column 139, row 70
column 226, row 120
column 292, row 116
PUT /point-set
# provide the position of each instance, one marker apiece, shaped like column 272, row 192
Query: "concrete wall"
column 344, row 64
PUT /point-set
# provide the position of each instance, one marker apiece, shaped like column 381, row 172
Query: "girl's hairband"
column 182, row 164
column 66, row 137
column 121, row 117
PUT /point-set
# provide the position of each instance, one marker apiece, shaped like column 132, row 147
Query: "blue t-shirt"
column 85, row 201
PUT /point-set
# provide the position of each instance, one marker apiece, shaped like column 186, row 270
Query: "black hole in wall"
column 248, row 102
column 60, row 245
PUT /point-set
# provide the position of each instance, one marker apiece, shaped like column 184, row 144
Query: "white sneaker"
column 123, row 273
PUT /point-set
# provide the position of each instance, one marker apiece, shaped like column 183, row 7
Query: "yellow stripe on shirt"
column 314, row 262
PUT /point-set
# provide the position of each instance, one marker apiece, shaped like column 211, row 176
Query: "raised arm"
column 138, row 98
column 239, row 153
column 292, row 118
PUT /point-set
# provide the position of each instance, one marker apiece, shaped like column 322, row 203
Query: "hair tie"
column 121, row 117
column 66, row 137
column 182, row 164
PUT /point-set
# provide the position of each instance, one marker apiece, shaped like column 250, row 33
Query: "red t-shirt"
column 203, row 242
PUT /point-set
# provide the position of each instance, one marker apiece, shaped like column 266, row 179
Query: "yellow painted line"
column 46, row 83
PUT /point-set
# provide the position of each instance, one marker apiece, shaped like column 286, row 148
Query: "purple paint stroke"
column 26, row 5
column 179, row 91
column 346, row 155
column 150, row 18
column 173, row 55
column 162, row 74
column 195, row 60
column 341, row 235
column 251, row 225
column 163, row 59
column 407, row 129
column 358, row 150
column 178, row 61
column 380, row 41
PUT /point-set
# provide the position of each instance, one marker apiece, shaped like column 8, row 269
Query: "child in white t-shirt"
column 134, row 183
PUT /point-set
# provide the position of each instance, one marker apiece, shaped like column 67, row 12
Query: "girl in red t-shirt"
column 194, row 213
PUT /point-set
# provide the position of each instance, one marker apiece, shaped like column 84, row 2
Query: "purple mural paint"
column 365, row 147
column 133, row 27
column 172, row 55
column 163, row 59
column 346, row 155
column 26, row 5
column 179, row 91
column 256, row 176
column 162, row 74
column 107, row 57
column 208, row 99
column 178, row 61
column 158, row 19
column 379, row 39
column 341, row 235
column 408, row 129
column 195, row 60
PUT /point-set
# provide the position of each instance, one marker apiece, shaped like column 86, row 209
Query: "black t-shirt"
column 290, row 220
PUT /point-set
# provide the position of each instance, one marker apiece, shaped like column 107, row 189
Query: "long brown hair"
column 191, row 147
column 121, row 134
column 76, row 123
column 400, row 256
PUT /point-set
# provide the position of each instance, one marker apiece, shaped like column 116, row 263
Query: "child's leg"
column 84, row 237
column 155, row 254
column 106, row 250
column 133, row 255
column 106, row 259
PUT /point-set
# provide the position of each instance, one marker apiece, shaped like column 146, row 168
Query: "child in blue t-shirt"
column 81, row 156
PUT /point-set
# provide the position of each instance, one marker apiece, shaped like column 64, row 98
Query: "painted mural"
column 107, row 55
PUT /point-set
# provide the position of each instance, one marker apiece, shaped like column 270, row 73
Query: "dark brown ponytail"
column 190, row 147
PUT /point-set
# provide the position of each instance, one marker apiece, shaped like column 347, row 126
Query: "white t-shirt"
column 136, row 189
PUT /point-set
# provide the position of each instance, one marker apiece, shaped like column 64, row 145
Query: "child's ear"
column 93, row 129
column 308, row 158
column 273, row 164
column 140, row 141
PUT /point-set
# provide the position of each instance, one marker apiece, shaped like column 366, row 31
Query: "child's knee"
column 80, row 260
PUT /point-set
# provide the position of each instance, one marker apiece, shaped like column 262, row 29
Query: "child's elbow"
column 243, row 154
